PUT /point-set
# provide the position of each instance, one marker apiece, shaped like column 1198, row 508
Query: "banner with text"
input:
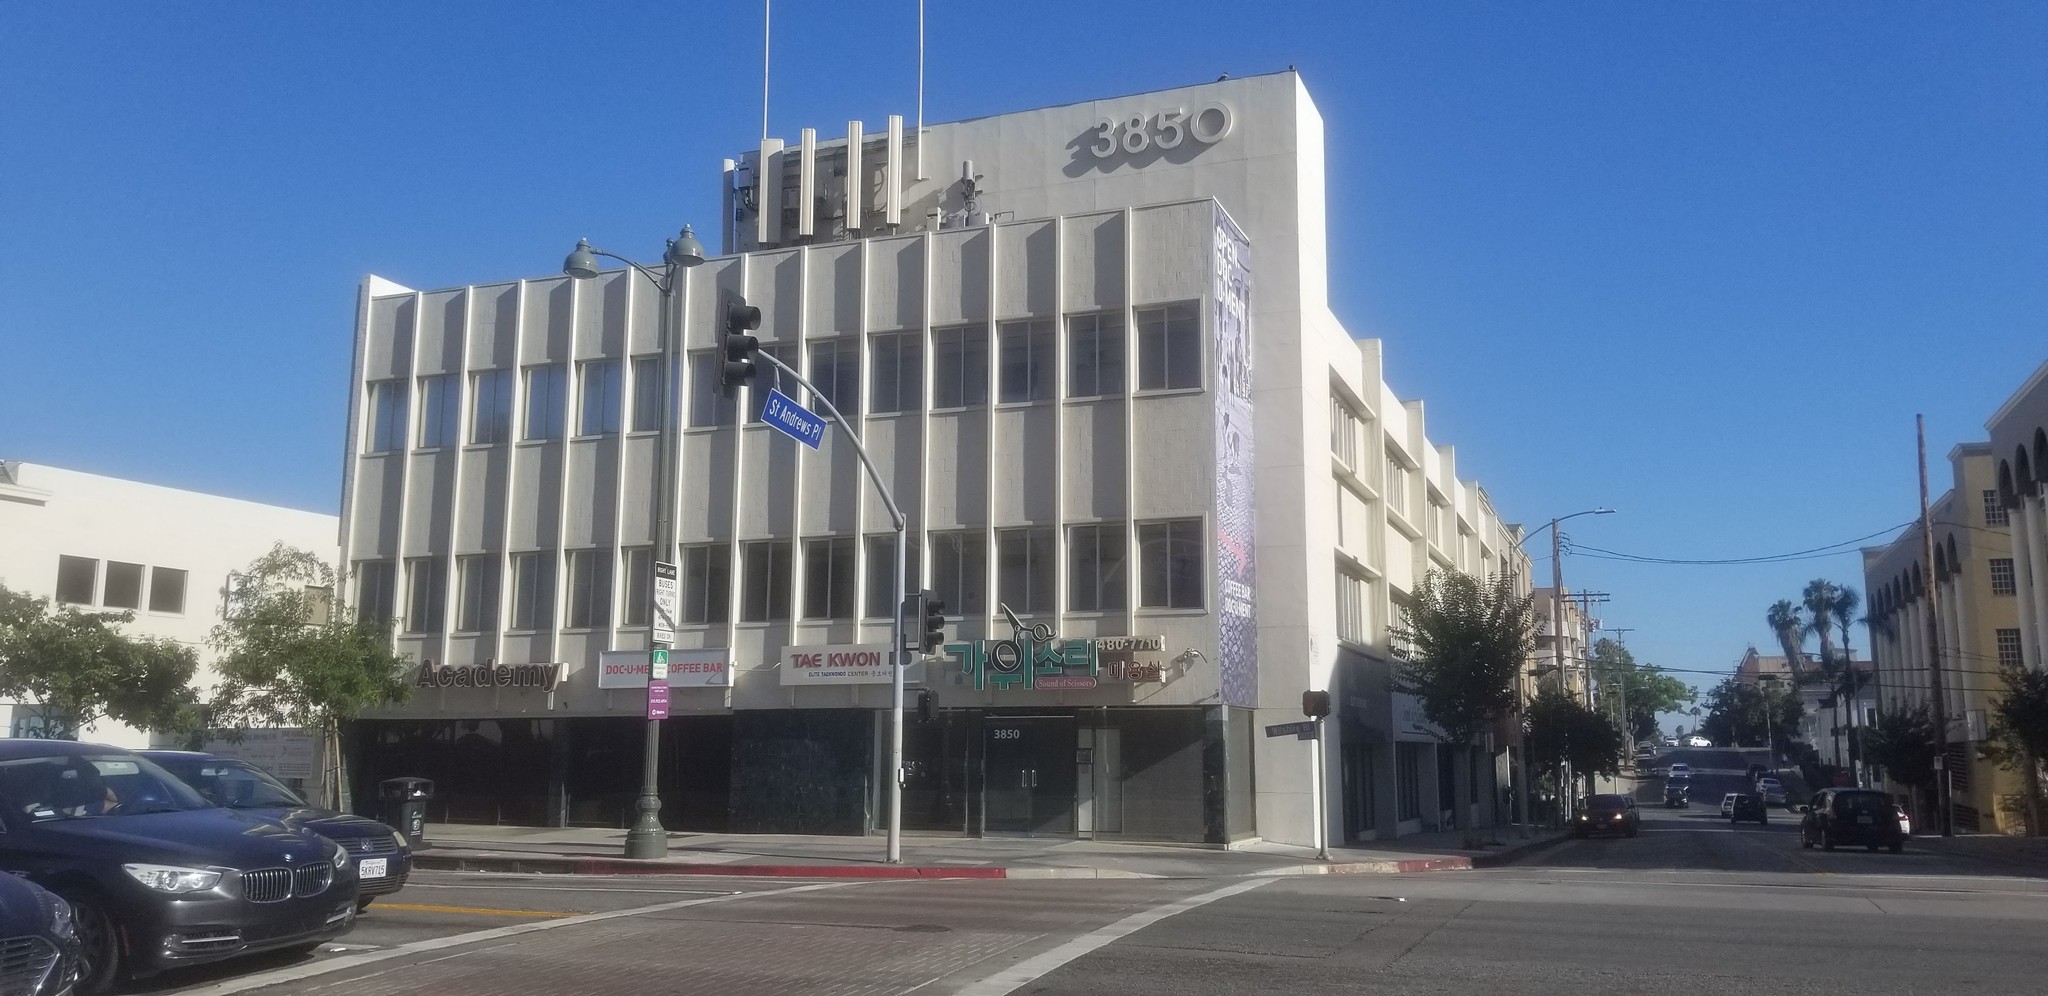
column 686, row 668
column 1237, row 582
column 837, row 664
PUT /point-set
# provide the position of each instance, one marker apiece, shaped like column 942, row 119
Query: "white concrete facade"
column 97, row 543
column 909, row 290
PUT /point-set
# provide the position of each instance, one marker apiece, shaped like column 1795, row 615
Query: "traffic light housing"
column 933, row 611
column 742, row 350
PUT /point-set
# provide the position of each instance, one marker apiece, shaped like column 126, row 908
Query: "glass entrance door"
column 1028, row 775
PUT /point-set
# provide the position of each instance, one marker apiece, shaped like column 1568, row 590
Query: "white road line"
column 348, row 961
column 1016, row 976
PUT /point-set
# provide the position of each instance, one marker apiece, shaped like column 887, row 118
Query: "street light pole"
column 648, row 838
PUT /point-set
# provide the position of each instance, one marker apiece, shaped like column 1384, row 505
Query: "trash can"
column 404, row 805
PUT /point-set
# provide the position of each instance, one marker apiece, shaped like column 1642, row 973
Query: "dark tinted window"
column 77, row 786
column 234, row 784
column 1607, row 802
column 1863, row 804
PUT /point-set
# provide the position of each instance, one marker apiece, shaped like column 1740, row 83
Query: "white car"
column 1679, row 770
column 1698, row 741
column 1772, row 790
column 1728, row 804
column 1905, row 821
column 1670, row 741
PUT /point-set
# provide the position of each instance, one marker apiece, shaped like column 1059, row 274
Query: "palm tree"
column 1843, row 609
column 1790, row 628
column 1820, row 609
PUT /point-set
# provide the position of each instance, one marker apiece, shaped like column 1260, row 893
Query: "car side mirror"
column 1806, row 809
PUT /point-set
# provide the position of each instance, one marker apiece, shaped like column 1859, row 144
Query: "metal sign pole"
column 1322, row 798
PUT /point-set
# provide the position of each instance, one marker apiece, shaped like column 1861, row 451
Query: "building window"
column 1172, row 564
column 960, row 367
column 1344, row 425
column 440, row 412
column 533, row 590
column 835, row 373
column 768, row 376
column 639, row 585
column 426, row 592
column 166, row 590
column 764, row 581
column 1095, row 354
column 590, row 589
column 376, row 590
column 1095, row 555
column 2009, row 648
column 650, row 394
column 1169, row 347
column 490, row 419
column 387, row 416
column 547, row 397
column 1025, row 561
column 77, row 578
column 708, row 404
column 1994, row 510
column 2001, row 576
column 476, row 582
column 960, row 571
column 1435, row 525
column 600, row 397
column 707, row 583
column 1029, row 354
column 1396, row 492
column 124, row 586
column 828, row 578
column 896, row 372
column 1351, row 607
column 883, row 598
column 1408, row 781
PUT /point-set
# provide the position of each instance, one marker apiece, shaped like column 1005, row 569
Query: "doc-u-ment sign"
column 686, row 668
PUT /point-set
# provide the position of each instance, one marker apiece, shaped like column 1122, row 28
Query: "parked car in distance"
column 1698, row 741
column 1670, row 741
column 1772, row 790
column 38, row 940
column 156, row 876
column 1728, row 803
column 381, row 857
column 1851, row 816
column 1607, row 814
column 1679, row 769
column 1749, row 807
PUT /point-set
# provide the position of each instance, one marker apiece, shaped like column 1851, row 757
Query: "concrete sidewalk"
column 598, row 852
column 2024, row 852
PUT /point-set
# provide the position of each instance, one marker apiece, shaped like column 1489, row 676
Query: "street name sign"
column 1305, row 729
column 792, row 419
column 664, row 603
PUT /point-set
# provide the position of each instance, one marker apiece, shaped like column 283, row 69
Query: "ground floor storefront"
column 1171, row 773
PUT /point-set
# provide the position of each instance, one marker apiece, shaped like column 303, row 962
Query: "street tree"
column 1564, row 730
column 1644, row 689
column 1739, row 714
column 1462, row 641
column 1821, row 600
column 2019, row 733
column 1790, row 628
column 80, row 668
column 294, row 655
column 1901, row 742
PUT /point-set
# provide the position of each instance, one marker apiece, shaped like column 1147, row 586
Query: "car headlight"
column 398, row 837
column 61, row 921
column 339, row 855
column 173, row 879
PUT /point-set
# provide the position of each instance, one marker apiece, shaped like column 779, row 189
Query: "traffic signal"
column 1315, row 705
column 934, row 620
column 924, row 705
column 741, row 349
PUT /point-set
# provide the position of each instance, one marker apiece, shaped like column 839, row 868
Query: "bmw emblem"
column 288, row 858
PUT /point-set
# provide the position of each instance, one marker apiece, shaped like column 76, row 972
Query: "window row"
column 2002, row 579
column 1994, row 510
column 81, row 582
column 1170, row 576
column 1169, row 357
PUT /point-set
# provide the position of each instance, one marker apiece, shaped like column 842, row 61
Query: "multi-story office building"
column 1978, row 611
column 1571, row 652
column 1091, row 356
column 96, row 544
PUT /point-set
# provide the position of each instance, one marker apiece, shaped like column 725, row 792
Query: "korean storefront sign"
column 1025, row 661
column 837, row 664
column 686, row 668
column 538, row 677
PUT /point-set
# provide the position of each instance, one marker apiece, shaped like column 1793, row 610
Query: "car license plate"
column 372, row 868
column 1865, row 818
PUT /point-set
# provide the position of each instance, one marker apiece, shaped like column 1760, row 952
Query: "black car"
column 155, row 875
column 1749, row 807
column 1678, row 795
column 1851, row 816
column 1607, row 814
column 382, row 859
column 38, row 942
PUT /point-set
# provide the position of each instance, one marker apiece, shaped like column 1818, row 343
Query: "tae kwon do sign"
column 840, row 664
column 540, row 677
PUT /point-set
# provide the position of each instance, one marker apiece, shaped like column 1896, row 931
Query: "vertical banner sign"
column 1237, row 639
column 657, row 700
column 664, row 603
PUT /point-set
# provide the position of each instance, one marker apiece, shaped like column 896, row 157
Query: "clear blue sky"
column 1701, row 262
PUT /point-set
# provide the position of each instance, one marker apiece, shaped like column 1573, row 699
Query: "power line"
column 1832, row 549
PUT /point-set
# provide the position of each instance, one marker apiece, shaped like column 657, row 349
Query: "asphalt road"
column 1691, row 904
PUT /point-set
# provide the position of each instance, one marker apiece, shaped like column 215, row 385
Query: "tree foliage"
column 1562, row 729
column 1902, row 742
column 1464, row 640
column 2019, row 718
column 1740, row 714
column 1790, row 628
column 81, row 668
column 1644, row 688
column 292, row 654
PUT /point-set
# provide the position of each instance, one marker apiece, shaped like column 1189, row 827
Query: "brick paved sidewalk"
column 598, row 851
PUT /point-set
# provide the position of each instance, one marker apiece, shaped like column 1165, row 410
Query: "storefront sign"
column 539, row 677
column 1034, row 658
column 686, row 668
column 837, row 664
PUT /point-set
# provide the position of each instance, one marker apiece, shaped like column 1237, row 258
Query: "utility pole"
column 1937, row 693
column 1557, row 609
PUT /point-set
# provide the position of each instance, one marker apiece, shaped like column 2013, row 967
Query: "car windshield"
column 1607, row 802
column 83, row 786
column 234, row 784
